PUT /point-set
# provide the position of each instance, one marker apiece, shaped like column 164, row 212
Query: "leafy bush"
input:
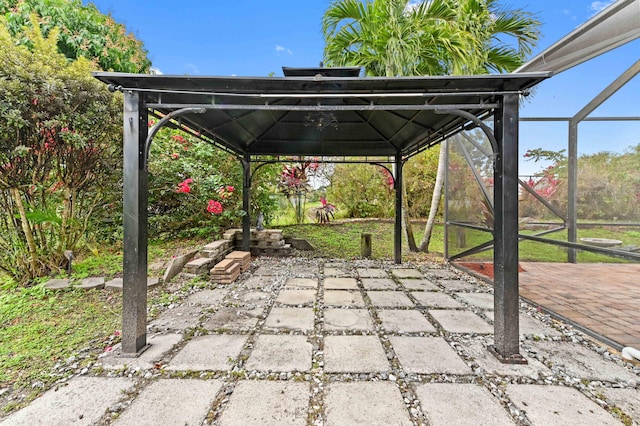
column 59, row 144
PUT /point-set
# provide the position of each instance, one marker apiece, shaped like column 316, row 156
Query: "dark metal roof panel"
column 332, row 116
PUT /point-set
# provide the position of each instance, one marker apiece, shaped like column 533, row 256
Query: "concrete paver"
column 460, row 404
column 427, row 355
column 558, row 406
column 530, row 326
column 365, row 403
column 419, row 284
column 252, row 297
column 343, row 298
column 379, row 284
column 404, row 321
column 434, row 299
column 406, row 273
column 335, row 271
column 461, row 321
column 296, row 297
column 301, row 283
column 171, row 402
column 347, row 320
column 372, row 273
column 583, row 363
column 259, row 403
column 291, row 319
column 81, row 402
column 212, row 352
column 627, row 400
column 354, row 354
column 340, row 283
column 159, row 346
column 91, row 283
column 176, row 319
column 489, row 363
column 389, row 299
column 208, row 297
column 280, row 353
column 57, row 284
column 480, row 300
column 236, row 319
column 457, row 285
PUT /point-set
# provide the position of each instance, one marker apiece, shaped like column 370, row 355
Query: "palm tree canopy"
column 431, row 37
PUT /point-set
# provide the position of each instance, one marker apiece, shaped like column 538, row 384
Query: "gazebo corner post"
column 134, row 286
column 246, row 202
column 397, row 229
column 505, row 258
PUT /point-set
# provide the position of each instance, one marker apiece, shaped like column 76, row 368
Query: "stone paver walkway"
column 604, row 298
column 316, row 342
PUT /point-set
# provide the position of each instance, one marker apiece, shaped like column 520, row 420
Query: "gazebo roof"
column 323, row 114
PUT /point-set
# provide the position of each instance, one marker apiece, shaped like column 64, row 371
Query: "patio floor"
column 602, row 297
column 317, row 342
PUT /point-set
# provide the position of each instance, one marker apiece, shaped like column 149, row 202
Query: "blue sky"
column 254, row 38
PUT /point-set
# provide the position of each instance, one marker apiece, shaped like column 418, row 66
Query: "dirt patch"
column 483, row 268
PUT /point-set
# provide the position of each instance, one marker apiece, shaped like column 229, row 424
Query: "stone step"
column 116, row 284
column 199, row 266
column 242, row 258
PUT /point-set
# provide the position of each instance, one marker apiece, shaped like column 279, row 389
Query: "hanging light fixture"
column 321, row 120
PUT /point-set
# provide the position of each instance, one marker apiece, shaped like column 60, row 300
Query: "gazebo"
column 331, row 113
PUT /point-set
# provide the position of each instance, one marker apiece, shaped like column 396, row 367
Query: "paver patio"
column 412, row 354
column 604, row 298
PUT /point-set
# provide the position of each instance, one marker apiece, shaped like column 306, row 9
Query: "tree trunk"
column 435, row 199
column 31, row 243
column 406, row 222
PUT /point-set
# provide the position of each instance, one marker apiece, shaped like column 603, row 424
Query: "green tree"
column 361, row 190
column 436, row 37
column 83, row 32
column 59, row 143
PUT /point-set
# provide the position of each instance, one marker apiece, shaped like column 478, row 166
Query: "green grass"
column 342, row 239
column 40, row 328
column 532, row 251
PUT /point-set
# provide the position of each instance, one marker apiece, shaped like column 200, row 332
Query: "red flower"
column 214, row 207
column 178, row 138
column 184, row 186
column 175, row 156
column 230, row 188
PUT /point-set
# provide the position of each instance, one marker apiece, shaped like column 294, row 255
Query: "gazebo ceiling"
column 323, row 115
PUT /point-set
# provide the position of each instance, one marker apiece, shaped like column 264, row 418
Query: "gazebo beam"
column 134, row 286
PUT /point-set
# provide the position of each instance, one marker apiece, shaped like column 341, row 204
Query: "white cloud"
column 156, row 71
column 567, row 12
column 598, row 6
column 282, row 49
column 192, row 69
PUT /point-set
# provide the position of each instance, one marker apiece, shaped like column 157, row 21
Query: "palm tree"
column 429, row 37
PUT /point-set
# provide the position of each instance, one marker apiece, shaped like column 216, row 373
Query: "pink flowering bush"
column 194, row 193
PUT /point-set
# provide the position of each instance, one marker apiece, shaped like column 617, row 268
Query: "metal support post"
column 134, row 287
column 572, row 193
column 505, row 257
column 246, row 206
column 397, row 230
